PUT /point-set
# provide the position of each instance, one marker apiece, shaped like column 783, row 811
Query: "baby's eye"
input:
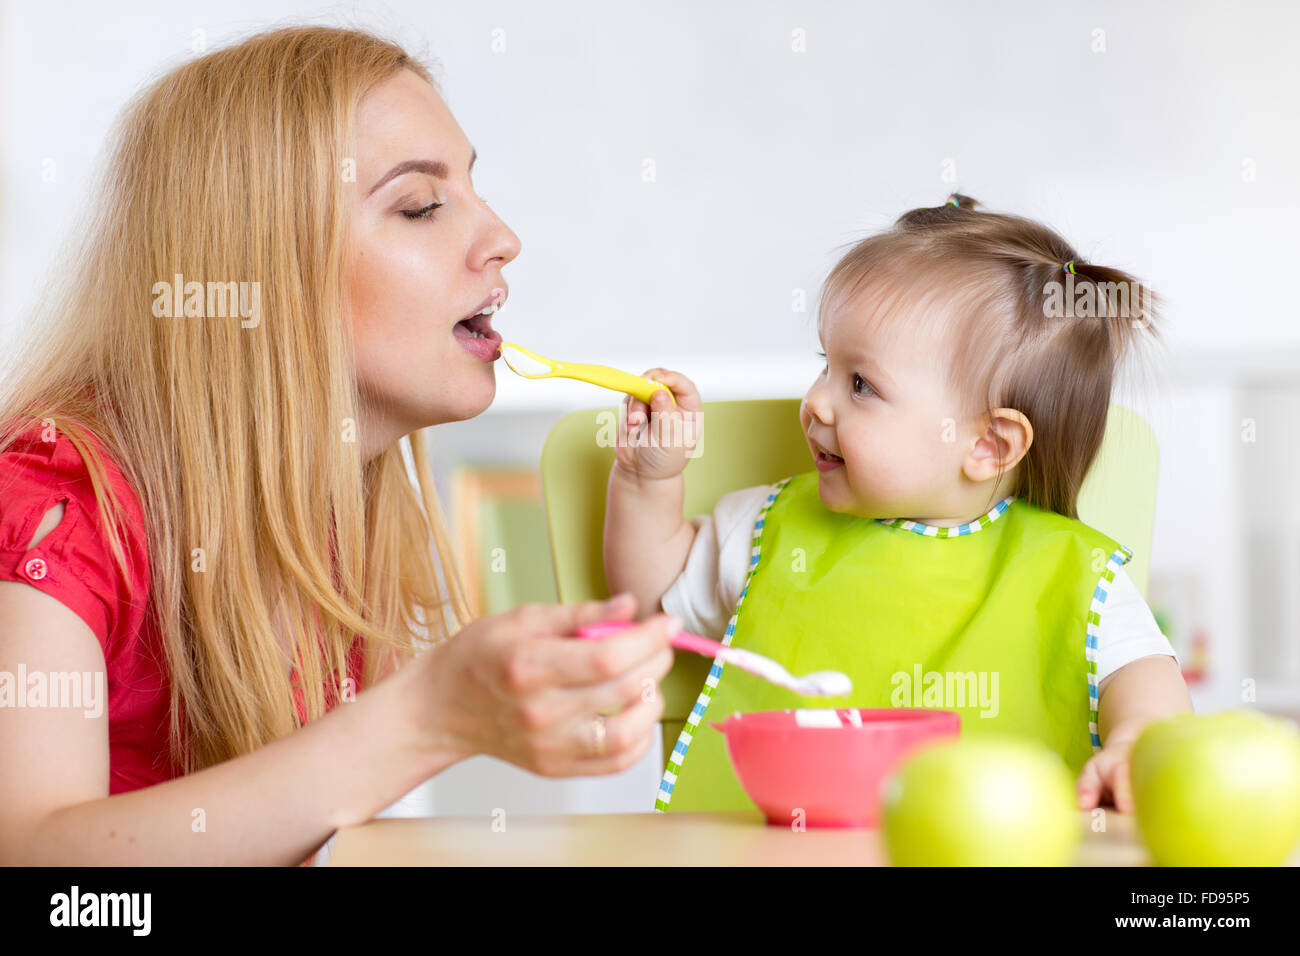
column 861, row 386
column 822, row 356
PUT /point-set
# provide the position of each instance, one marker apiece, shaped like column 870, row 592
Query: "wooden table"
column 652, row 839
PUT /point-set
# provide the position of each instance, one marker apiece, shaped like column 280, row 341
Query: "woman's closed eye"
column 425, row 212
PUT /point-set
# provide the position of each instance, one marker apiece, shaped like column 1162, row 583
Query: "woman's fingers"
column 559, row 723
column 551, row 711
column 638, row 682
column 546, row 620
column 629, row 734
column 563, row 661
column 516, row 685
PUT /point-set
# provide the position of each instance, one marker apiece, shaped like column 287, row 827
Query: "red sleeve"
column 74, row 562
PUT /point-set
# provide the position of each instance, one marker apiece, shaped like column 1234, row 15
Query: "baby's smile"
column 825, row 460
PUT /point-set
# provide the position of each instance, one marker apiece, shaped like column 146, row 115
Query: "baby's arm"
column 1138, row 693
column 1145, row 690
column 646, row 539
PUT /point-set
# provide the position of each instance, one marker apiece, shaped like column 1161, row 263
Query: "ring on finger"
column 598, row 734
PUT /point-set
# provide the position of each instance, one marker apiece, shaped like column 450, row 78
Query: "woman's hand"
column 518, row 687
column 655, row 440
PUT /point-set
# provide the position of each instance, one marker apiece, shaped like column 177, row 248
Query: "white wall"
column 1173, row 151
column 765, row 159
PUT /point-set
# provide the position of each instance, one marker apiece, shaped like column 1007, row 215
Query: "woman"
column 189, row 490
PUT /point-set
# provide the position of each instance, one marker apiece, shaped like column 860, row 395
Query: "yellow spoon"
column 518, row 357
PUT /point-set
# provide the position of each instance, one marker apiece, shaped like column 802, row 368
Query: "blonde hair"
column 1015, row 337
column 240, row 440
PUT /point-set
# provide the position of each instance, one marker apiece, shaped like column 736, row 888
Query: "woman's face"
column 425, row 254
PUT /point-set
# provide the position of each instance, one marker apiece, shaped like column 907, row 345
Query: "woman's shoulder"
column 42, row 455
column 42, row 470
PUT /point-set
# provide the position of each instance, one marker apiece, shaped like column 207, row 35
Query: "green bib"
column 995, row 620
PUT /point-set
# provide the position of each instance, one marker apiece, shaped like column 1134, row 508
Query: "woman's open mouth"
column 475, row 333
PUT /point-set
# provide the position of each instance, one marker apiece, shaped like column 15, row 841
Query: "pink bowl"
column 833, row 773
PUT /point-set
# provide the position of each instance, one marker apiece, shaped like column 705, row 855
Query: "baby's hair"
column 1033, row 326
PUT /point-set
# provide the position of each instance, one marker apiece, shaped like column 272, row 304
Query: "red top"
column 74, row 564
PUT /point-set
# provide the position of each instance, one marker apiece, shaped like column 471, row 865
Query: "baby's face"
column 884, row 429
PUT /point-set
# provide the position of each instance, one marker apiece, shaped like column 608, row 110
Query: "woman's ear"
column 1007, row 435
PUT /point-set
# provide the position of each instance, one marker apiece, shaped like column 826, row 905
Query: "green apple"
column 1218, row 789
column 981, row 801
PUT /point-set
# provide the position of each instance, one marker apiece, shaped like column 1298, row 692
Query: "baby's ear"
column 1007, row 435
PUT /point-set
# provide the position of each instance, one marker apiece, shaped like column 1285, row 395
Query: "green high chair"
column 747, row 443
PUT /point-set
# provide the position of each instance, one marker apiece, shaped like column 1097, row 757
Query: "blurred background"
column 682, row 176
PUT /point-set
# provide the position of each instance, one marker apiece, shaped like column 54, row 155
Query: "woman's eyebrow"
column 433, row 167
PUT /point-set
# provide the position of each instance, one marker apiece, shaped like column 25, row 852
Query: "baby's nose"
column 818, row 408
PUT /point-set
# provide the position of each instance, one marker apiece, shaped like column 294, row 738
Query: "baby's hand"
column 654, row 441
column 1107, row 775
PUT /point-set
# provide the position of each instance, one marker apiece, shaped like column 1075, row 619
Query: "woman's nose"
column 498, row 244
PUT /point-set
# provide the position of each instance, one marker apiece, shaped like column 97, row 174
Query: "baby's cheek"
column 876, row 476
column 894, row 474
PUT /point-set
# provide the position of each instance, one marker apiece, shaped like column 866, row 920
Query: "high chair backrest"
column 747, row 443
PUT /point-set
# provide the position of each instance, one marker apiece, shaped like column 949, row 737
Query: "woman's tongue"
column 486, row 344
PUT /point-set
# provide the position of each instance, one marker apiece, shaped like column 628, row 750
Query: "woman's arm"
column 276, row 805
column 511, row 685
column 647, row 540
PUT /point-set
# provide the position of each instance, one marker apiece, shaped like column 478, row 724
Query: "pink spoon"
column 816, row 684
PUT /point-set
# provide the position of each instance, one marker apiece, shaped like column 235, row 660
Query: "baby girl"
column 959, row 410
